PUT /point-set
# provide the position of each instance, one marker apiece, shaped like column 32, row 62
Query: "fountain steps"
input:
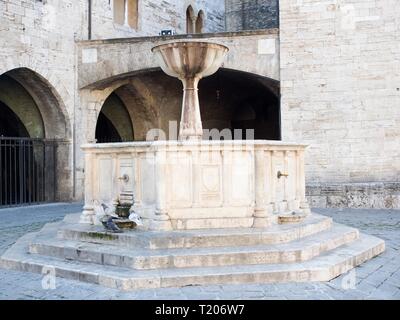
column 202, row 238
column 314, row 250
column 139, row 258
column 324, row 267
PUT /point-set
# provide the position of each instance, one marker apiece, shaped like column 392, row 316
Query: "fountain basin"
column 190, row 61
column 199, row 184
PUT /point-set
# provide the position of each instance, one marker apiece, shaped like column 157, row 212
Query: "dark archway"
column 51, row 110
column 237, row 100
column 17, row 100
column 10, row 124
column 105, row 130
column 34, row 146
column 258, row 113
column 229, row 99
column 13, row 155
column 114, row 123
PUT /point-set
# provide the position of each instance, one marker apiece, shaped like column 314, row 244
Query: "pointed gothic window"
column 200, row 22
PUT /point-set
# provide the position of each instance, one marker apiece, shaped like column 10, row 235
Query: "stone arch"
column 19, row 107
column 56, row 124
column 153, row 99
column 38, row 108
column 141, row 106
column 227, row 100
column 135, row 95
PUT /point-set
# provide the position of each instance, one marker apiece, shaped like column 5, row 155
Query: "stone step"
column 322, row 268
column 312, row 224
column 139, row 258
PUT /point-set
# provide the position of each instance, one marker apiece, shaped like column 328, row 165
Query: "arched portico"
column 35, row 146
column 229, row 100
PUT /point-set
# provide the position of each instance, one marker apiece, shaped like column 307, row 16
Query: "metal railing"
column 27, row 171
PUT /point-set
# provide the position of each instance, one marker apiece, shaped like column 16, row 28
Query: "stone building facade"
column 340, row 78
column 75, row 71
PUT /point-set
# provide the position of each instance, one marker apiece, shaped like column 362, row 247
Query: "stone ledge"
column 272, row 31
column 274, row 234
column 377, row 195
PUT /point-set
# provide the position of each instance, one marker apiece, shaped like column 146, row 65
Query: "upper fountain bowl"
column 190, row 59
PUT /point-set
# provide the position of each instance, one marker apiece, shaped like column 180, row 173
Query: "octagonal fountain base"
column 199, row 184
column 214, row 213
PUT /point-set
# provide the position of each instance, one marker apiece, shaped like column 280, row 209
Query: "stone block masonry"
column 340, row 75
column 251, row 14
column 354, row 195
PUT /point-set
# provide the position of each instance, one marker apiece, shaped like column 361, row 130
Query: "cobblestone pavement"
column 379, row 278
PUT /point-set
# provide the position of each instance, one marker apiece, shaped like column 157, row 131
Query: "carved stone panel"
column 180, row 179
column 105, row 177
column 147, row 178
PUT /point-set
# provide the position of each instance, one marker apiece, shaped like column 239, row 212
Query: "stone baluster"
column 88, row 214
column 298, row 180
column 285, row 180
column 161, row 213
column 137, row 195
column 262, row 210
column 115, row 191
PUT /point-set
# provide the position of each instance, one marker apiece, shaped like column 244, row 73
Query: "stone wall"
column 340, row 75
column 154, row 16
column 40, row 37
column 214, row 15
column 251, row 14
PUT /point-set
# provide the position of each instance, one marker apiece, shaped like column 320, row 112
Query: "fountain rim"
column 177, row 44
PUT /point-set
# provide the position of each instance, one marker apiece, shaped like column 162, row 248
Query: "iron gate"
column 27, row 171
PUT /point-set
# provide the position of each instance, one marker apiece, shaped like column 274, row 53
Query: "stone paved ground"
column 376, row 279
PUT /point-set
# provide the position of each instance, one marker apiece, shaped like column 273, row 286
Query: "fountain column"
column 190, row 127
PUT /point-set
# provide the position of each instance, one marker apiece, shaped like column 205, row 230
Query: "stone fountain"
column 193, row 183
column 213, row 211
